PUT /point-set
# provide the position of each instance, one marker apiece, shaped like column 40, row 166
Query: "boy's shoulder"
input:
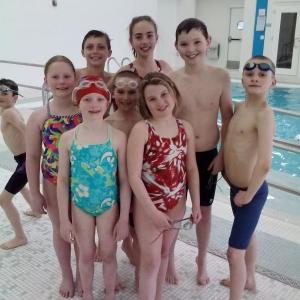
column 8, row 112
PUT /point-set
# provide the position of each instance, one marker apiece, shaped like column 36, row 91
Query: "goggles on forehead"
column 4, row 90
column 249, row 66
column 121, row 83
column 90, row 86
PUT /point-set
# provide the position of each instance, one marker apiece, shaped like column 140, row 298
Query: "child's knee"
column 235, row 256
column 87, row 255
column 150, row 263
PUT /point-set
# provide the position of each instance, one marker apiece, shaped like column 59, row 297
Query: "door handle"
column 230, row 38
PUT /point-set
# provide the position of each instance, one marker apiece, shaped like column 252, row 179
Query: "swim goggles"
column 124, row 82
column 249, row 66
column 90, row 84
column 4, row 90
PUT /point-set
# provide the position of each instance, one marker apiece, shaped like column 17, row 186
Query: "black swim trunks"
column 208, row 181
column 19, row 178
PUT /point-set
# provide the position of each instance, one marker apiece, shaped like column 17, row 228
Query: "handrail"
column 112, row 58
column 21, row 63
column 125, row 59
column 277, row 110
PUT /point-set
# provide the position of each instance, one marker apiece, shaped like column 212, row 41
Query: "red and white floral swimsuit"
column 164, row 167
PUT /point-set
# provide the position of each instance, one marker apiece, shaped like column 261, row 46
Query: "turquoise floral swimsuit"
column 94, row 175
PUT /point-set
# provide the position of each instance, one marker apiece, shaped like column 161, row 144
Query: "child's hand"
column 196, row 214
column 241, row 198
column 217, row 164
column 67, row 232
column 38, row 204
column 121, row 230
column 162, row 221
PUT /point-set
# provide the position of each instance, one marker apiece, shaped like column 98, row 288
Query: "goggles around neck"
column 124, row 82
column 265, row 67
column 4, row 90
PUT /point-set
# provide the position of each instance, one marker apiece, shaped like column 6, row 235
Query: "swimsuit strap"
column 158, row 65
column 109, row 133
column 48, row 108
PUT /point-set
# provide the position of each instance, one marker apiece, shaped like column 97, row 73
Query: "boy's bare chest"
column 242, row 124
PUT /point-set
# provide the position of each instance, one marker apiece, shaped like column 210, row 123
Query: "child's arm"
column 265, row 131
column 121, row 229
column 135, row 151
column 33, row 141
column 226, row 114
column 63, row 186
column 192, row 173
column 13, row 117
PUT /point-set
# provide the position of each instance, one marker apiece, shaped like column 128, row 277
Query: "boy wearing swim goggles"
column 247, row 160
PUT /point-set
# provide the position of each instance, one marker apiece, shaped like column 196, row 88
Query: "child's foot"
column 119, row 284
column 14, row 243
column 171, row 276
column 66, row 288
column 86, row 296
column 127, row 249
column 202, row 277
column 250, row 286
column 78, row 287
column 30, row 213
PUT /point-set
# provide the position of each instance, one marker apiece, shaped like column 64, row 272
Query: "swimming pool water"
column 287, row 127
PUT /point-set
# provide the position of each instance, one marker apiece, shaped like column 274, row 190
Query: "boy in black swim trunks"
column 247, row 160
column 205, row 90
column 13, row 130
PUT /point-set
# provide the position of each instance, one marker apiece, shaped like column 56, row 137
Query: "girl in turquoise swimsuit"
column 92, row 172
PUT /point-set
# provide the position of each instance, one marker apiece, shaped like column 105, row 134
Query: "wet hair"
column 96, row 33
column 58, row 58
column 10, row 84
column 262, row 57
column 136, row 20
column 188, row 24
column 157, row 78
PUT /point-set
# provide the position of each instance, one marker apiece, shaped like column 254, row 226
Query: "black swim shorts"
column 19, row 178
column 208, row 181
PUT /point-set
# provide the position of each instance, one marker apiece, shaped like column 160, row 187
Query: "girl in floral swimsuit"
column 45, row 127
column 161, row 161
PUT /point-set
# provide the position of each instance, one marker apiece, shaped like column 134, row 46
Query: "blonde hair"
column 157, row 78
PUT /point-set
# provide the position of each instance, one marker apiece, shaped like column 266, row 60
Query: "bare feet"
column 202, row 277
column 78, row 287
column 30, row 213
column 171, row 276
column 128, row 250
column 66, row 288
column 98, row 256
column 119, row 284
column 250, row 284
column 14, row 243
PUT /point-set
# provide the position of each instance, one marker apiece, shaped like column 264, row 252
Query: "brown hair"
column 157, row 78
column 136, row 20
column 58, row 58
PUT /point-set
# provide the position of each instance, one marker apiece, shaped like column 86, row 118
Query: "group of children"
column 127, row 174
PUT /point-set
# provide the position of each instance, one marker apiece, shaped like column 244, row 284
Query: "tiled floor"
column 31, row 272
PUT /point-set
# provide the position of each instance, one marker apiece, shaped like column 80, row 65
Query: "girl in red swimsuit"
column 143, row 38
column 161, row 161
